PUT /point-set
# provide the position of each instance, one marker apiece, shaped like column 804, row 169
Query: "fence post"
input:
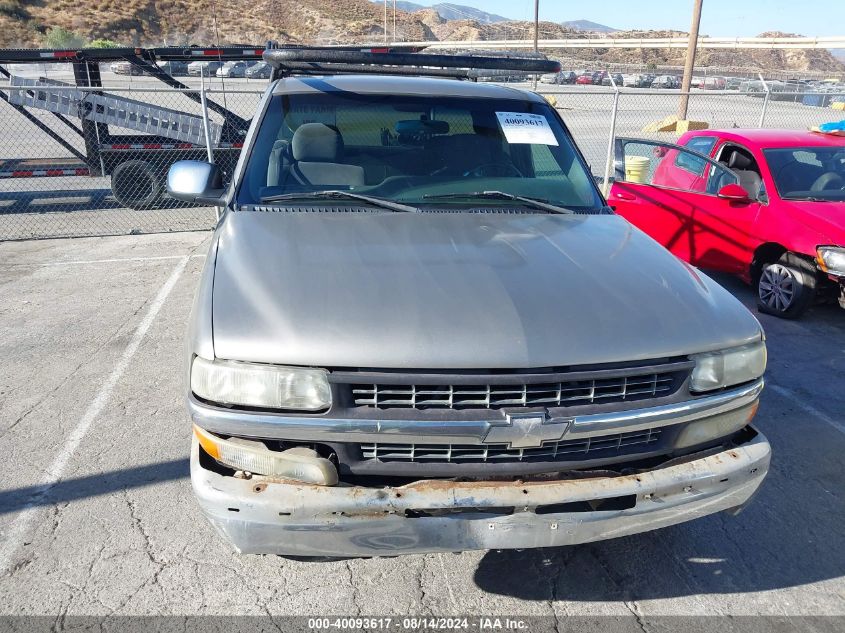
column 207, row 129
column 765, row 101
column 612, row 138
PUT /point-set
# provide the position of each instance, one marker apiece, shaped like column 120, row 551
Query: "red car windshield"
column 808, row 173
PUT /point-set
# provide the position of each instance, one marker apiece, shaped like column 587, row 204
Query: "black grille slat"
column 567, row 393
column 469, row 453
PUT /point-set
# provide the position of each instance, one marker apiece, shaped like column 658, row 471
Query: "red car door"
column 678, row 197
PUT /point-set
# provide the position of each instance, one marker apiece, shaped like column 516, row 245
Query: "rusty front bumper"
column 265, row 517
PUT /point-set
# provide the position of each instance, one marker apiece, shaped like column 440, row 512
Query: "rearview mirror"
column 196, row 181
column 734, row 193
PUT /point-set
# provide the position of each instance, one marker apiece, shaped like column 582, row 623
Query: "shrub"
column 104, row 43
column 57, row 37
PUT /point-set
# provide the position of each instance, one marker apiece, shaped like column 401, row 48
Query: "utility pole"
column 385, row 20
column 536, row 32
column 689, row 66
column 394, row 20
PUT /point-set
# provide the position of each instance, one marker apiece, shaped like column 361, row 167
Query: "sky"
column 728, row 18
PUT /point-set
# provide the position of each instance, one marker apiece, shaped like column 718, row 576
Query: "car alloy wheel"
column 787, row 287
column 777, row 287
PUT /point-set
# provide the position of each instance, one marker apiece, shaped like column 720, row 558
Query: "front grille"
column 568, row 450
column 551, row 394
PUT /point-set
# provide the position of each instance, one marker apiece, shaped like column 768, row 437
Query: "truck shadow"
column 777, row 542
column 789, row 536
column 60, row 201
column 820, row 313
column 78, row 200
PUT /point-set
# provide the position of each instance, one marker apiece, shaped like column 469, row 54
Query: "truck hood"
column 459, row 291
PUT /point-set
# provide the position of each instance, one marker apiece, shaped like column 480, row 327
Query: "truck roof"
column 390, row 84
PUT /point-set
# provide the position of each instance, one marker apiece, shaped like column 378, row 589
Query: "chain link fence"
column 84, row 161
column 595, row 115
column 93, row 161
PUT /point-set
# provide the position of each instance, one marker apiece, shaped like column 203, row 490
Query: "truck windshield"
column 808, row 173
column 423, row 151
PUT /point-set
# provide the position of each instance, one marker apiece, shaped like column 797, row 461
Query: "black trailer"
column 137, row 163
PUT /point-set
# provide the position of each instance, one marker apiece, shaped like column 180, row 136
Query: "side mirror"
column 734, row 193
column 196, row 181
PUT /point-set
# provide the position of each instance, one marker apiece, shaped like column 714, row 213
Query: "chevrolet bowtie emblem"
column 528, row 430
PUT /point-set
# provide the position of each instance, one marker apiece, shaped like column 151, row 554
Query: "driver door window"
column 742, row 163
column 671, row 193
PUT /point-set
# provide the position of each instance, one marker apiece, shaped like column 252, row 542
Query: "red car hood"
column 825, row 218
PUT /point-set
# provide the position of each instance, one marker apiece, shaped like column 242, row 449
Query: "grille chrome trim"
column 496, row 396
column 262, row 424
column 556, row 450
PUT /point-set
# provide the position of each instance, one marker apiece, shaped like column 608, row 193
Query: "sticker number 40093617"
column 523, row 127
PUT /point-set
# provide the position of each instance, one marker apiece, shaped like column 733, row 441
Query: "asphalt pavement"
column 97, row 516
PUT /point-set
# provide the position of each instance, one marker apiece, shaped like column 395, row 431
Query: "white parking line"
column 821, row 415
column 116, row 260
column 17, row 531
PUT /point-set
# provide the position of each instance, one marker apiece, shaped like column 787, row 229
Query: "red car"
column 585, row 79
column 768, row 205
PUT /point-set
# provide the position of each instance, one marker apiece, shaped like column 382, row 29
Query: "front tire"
column 786, row 288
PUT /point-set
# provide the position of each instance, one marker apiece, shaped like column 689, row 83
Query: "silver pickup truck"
column 420, row 328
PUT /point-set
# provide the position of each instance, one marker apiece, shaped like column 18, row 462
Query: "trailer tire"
column 136, row 184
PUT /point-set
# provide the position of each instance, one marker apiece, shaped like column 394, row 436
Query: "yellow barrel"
column 636, row 169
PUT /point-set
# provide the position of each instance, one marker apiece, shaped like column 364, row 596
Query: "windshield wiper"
column 809, row 198
column 501, row 195
column 338, row 194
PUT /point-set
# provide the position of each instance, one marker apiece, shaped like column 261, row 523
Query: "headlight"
column 715, row 370
column 715, row 427
column 831, row 259
column 265, row 386
column 298, row 463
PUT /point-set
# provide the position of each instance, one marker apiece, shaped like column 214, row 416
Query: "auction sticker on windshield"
column 524, row 127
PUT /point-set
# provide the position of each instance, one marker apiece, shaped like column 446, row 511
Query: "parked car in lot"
column 641, row 81
column 205, row 69
column 598, row 77
column 666, row 81
column 768, row 205
column 568, row 77
column 584, row 79
column 174, row 68
column 417, row 332
column 261, row 70
column 125, row 68
column 713, row 83
column 233, row 69
column 563, row 77
column 617, row 78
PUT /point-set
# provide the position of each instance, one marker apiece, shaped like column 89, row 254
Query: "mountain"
column 23, row 24
column 448, row 11
column 586, row 25
column 409, row 7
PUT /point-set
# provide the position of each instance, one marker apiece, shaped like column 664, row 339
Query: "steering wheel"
column 493, row 170
column 827, row 181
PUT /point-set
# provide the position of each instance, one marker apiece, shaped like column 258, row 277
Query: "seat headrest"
column 739, row 161
column 316, row 142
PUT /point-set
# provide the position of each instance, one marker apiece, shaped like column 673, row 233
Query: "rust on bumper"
column 271, row 517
